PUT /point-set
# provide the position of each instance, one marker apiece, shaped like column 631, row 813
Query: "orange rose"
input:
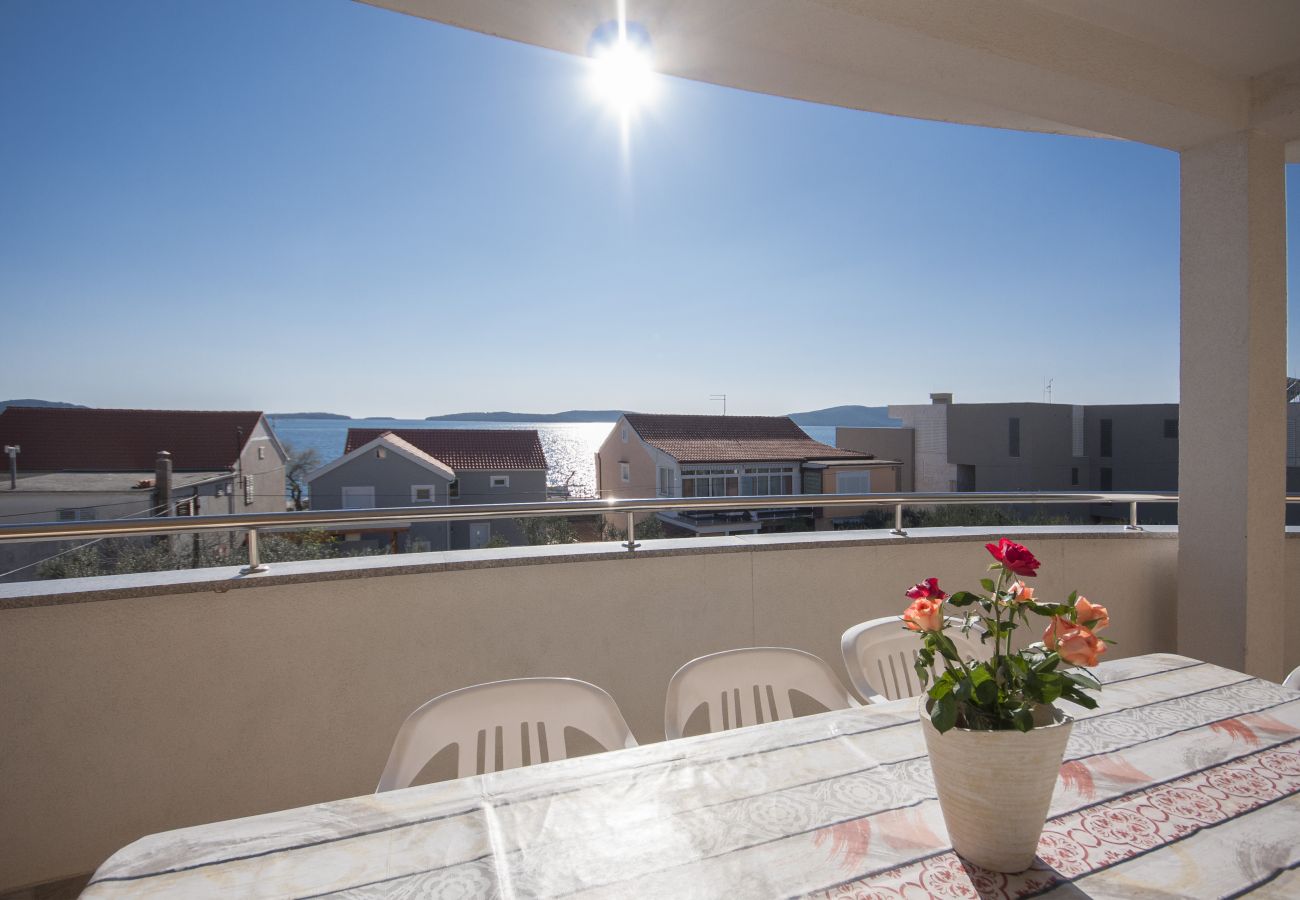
column 1091, row 612
column 924, row 615
column 1076, row 645
column 1021, row 592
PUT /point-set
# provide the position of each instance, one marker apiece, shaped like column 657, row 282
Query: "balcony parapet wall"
column 135, row 704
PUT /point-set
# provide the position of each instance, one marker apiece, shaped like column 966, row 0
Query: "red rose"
column 926, row 590
column 1014, row 557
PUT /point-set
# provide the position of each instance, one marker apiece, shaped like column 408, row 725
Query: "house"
column 76, row 464
column 734, row 456
column 434, row 466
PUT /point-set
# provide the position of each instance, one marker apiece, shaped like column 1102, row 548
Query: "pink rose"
column 924, row 615
column 1015, row 558
column 1091, row 612
column 926, row 590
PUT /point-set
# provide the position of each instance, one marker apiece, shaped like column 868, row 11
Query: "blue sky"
column 314, row 204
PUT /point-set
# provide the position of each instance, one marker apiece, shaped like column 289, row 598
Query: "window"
column 381, row 453
column 188, row 507
column 625, row 472
column 1107, row 438
column 453, row 490
column 738, row 481
column 1074, row 477
column 665, row 482
column 85, row 514
column 624, row 434
column 423, row 493
column 1171, row 429
column 1107, row 479
column 1013, row 436
column 261, row 453
column 853, row 483
column 499, row 481
column 248, row 489
column 359, row 497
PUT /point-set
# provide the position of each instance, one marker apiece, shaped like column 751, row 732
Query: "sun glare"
column 622, row 76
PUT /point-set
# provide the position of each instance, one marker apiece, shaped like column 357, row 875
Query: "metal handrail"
column 280, row 521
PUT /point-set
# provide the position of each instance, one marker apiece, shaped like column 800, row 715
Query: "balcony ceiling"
column 1173, row 73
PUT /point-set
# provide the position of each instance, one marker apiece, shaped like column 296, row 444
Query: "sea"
column 570, row 447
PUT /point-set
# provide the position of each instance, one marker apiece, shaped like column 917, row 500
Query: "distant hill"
column 44, row 404
column 306, row 415
column 571, row 415
column 848, row 416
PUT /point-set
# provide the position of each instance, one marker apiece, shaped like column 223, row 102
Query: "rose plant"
column 1002, row 692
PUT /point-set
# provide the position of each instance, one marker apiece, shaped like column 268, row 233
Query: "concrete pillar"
column 1232, row 429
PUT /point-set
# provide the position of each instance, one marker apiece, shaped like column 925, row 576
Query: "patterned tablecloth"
column 1183, row 783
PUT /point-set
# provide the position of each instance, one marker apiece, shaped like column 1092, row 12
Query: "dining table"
column 1183, row 782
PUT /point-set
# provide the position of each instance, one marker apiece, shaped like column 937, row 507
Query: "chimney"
column 162, row 484
column 941, row 398
column 13, row 451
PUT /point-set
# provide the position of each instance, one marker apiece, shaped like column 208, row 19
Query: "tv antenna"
column 723, row 398
column 1047, row 391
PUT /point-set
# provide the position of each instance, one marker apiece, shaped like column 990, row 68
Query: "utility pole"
column 13, row 450
column 1047, row 391
column 723, row 398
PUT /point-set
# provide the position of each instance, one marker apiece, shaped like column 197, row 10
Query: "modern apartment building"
column 1032, row 447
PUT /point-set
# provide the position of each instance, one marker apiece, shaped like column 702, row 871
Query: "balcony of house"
column 142, row 703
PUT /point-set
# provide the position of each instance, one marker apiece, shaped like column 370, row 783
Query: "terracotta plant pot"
column 995, row 787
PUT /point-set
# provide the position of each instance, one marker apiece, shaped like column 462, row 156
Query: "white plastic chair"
column 516, row 718
column 749, row 686
column 880, row 656
column 1293, row 680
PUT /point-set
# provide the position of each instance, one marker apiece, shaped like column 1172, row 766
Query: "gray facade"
column 1040, row 447
column 392, row 479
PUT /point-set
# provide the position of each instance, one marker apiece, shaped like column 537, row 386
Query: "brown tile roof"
column 698, row 439
column 123, row 440
column 465, row 448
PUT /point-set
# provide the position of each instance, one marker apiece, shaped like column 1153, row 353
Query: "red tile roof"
column 465, row 448
column 700, row 439
column 124, row 440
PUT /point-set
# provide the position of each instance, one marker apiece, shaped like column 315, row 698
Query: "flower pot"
column 995, row 787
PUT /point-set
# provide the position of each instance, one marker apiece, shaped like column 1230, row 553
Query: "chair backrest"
column 748, row 687
column 1293, row 680
column 880, row 656
column 521, row 720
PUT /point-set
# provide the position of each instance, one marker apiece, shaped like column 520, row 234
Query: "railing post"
column 631, row 543
column 254, row 566
column 898, row 520
column 1133, row 517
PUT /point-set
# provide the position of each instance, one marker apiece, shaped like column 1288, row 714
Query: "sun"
column 622, row 70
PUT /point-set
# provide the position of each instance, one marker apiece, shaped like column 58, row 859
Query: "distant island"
column 571, row 415
column 306, row 415
column 848, row 416
column 851, row 416
column 42, row 404
column 380, row 419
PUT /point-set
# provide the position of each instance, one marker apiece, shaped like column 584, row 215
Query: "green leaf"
column 988, row 584
column 922, row 671
column 942, row 688
column 963, row 598
column 944, row 713
column 944, row 645
column 1022, row 718
column 963, row 690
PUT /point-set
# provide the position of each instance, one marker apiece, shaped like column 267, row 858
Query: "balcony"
column 136, row 704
